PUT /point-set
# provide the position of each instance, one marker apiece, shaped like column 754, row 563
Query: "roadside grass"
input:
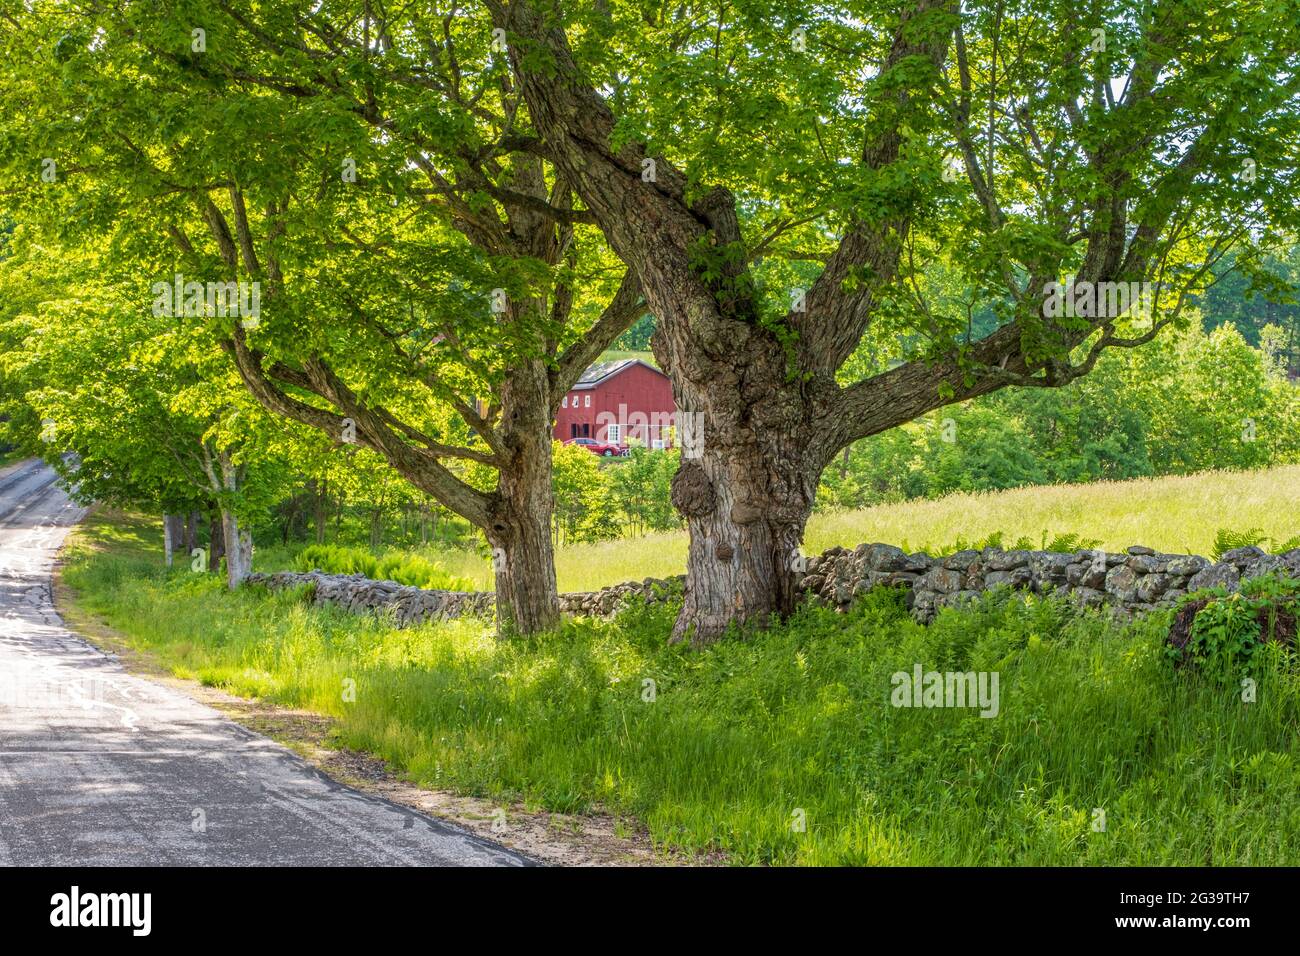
column 744, row 739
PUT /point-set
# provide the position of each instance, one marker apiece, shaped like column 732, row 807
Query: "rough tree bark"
column 768, row 414
column 519, row 523
column 751, row 456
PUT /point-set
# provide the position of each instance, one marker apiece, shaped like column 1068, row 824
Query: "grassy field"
column 1179, row 514
column 614, row 355
column 731, row 748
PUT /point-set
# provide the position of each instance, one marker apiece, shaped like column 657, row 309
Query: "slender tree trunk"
column 191, row 532
column 216, row 541
column 173, row 532
column 239, row 549
column 320, row 491
column 239, row 541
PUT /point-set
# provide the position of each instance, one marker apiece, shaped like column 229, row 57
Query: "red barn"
column 628, row 400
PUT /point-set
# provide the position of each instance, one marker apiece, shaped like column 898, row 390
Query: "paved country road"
column 100, row 767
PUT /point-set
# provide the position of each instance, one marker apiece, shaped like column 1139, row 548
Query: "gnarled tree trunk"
column 757, row 404
column 747, row 481
column 519, row 523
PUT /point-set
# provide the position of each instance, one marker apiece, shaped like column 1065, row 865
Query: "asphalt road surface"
column 99, row 767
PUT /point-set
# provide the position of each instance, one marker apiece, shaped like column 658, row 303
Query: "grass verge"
column 779, row 748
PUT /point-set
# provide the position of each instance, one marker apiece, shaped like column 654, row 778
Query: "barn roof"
column 604, row 371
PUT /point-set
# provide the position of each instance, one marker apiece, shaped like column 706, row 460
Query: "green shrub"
column 1290, row 544
column 336, row 559
column 1068, row 543
column 420, row 572
column 403, row 568
column 1223, row 635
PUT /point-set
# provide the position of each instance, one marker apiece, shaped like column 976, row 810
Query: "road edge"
column 551, row 838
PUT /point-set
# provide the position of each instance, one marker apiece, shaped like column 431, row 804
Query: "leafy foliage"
column 1226, row 540
column 403, row 568
column 1065, row 542
column 1189, row 402
column 1228, row 637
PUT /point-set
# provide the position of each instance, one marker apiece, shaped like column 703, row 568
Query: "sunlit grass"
column 616, row 355
column 727, row 748
column 1178, row 514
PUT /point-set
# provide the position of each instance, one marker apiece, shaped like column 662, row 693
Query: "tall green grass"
column 743, row 739
column 404, row 568
column 1176, row 514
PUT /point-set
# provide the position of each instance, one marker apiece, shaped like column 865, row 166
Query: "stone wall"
column 1136, row 581
column 356, row 593
column 1133, row 582
column 411, row 604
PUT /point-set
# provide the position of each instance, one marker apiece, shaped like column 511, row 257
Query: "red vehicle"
column 603, row 448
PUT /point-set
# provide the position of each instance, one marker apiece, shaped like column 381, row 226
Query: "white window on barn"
column 565, row 403
column 588, row 402
column 613, row 433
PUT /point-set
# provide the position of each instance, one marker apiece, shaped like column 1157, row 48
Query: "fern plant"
column 1069, row 543
column 1282, row 547
column 1226, row 540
